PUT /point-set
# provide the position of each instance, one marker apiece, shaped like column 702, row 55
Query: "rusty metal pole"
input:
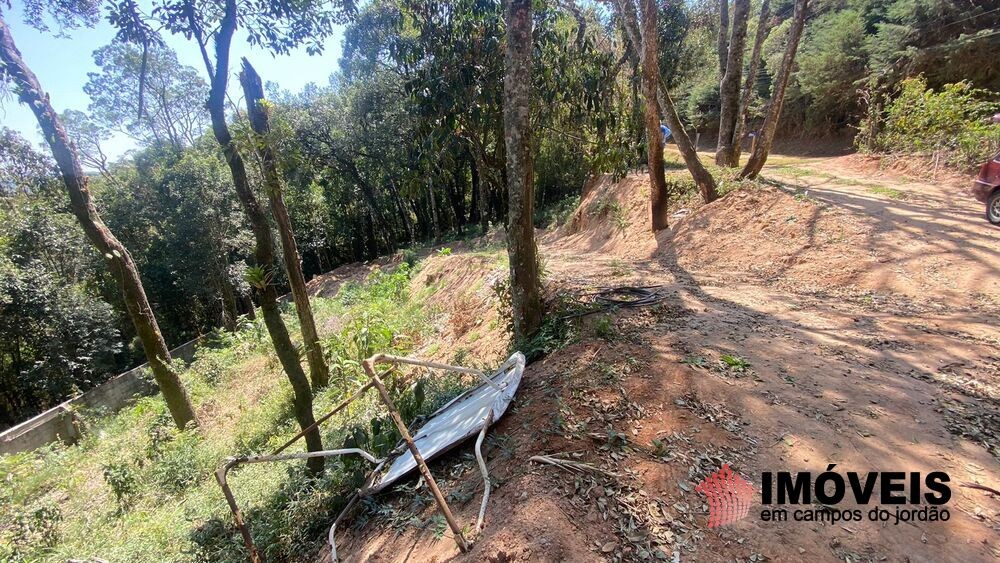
column 369, row 368
column 220, row 476
column 325, row 417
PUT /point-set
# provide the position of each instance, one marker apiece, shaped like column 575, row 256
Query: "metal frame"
column 375, row 381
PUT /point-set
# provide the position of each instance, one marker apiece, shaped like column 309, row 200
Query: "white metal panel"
column 458, row 420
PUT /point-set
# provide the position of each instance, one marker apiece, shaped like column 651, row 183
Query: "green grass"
column 136, row 489
column 794, row 171
column 890, row 193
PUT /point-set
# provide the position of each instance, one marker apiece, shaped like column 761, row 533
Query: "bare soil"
column 863, row 305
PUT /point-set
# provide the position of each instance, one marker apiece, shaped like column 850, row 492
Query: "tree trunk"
column 729, row 87
column 702, row 177
column 763, row 145
column 228, row 296
column 525, row 283
column 401, row 209
column 456, row 196
column 751, row 80
column 723, row 46
column 434, row 211
column 484, row 193
column 659, row 198
column 119, row 260
column 474, row 201
column 247, row 302
column 253, row 91
column 264, row 247
column 369, row 195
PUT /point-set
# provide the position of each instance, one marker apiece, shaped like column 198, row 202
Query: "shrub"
column 30, row 529
column 124, row 481
column 376, row 319
column 409, row 257
column 556, row 214
column 953, row 120
column 607, row 206
column 379, row 285
column 604, row 328
column 181, row 463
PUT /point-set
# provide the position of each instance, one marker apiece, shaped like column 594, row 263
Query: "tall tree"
column 253, row 91
column 763, row 145
column 659, row 197
column 57, row 336
column 702, row 177
column 261, row 275
column 23, row 170
column 722, row 47
column 729, row 87
column 118, row 259
column 146, row 93
column 525, row 282
column 763, row 27
column 88, row 137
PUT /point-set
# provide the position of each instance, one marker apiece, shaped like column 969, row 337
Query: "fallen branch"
column 981, row 488
column 570, row 465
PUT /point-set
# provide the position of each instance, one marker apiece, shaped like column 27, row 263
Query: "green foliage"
column 57, row 335
column 409, row 257
column 734, row 362
column 154, row 487
column 608, row 207
column 180, row 461
column 831, row 60
column 194, row 256
column 27, row 529
column 695, row 361
column 504, row 303
column 378, row 313
column 886, row 41
column 941, row 39
column 123, row 480
column 953, row 120
column 380, row 287
column 604, row 328
column 701, row 105
column 557, row 331
column 891, row 193
column 23, row 169
column 556, row 214
column 438, row 526
column 174, row 102
column 55, row 340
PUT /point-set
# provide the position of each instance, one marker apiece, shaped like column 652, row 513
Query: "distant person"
column 665, row 131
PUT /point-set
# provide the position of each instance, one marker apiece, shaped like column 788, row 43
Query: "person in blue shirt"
column 665, row 131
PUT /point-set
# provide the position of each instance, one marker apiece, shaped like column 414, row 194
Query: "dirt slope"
column 863, row 309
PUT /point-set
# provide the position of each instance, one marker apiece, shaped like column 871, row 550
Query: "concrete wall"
column 61, row 423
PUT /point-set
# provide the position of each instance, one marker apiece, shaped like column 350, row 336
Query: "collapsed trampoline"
column 467, row 415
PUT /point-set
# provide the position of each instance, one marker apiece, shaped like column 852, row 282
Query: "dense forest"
column 404, row 144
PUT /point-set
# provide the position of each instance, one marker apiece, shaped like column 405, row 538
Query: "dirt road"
column 837, row 316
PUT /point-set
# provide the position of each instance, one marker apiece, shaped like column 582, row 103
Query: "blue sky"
column 62, row 65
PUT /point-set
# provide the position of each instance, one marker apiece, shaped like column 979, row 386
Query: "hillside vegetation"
column 137, row 489
column 616, row 384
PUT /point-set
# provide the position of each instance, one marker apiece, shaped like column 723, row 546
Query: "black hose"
column 624, row 297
